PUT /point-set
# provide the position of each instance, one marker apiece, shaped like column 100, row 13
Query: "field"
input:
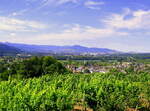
column 92, row 92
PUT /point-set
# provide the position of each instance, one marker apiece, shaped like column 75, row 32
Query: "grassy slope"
column 104, row 92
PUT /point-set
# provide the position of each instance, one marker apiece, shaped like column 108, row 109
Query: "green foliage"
column 32, row 67
column 101, row 92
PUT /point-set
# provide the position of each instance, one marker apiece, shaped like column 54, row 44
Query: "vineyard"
column 95, row 92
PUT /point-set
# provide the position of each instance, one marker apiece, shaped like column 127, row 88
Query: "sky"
column 123, row 25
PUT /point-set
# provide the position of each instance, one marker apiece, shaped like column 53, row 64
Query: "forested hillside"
column 75, row 49
column 8, row 50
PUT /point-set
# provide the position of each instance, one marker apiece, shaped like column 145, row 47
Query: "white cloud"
column 76, row 33
column 12, row 24
column 12, row 34
column 93, row 4
column 87, row 3
column 129, row 20
column 71, row 35
column 66, row 1
column 18, row 13
column 54, row 2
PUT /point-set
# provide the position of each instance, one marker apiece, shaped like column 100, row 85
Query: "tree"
column 31, row 67
column 38, row 66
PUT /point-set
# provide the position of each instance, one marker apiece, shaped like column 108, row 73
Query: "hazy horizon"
column 121, row 25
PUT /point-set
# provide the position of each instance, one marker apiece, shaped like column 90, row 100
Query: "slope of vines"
column 99, row 92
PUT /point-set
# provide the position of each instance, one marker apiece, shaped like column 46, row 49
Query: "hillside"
column 8, row 50
column 97, row 92
column 76, row 49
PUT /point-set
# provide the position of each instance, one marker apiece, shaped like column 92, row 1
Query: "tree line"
column 32, row 67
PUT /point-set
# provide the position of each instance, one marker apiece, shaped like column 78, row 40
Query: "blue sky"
column 116, row 24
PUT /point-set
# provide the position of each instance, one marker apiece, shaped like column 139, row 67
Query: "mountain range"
column 8, row 50
column 76, row 49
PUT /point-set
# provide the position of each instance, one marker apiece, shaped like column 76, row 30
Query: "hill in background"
column 8, row 50
column 76, row 49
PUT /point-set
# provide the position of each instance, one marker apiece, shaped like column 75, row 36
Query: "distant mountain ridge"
column 76, row 49
column 8, row 50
